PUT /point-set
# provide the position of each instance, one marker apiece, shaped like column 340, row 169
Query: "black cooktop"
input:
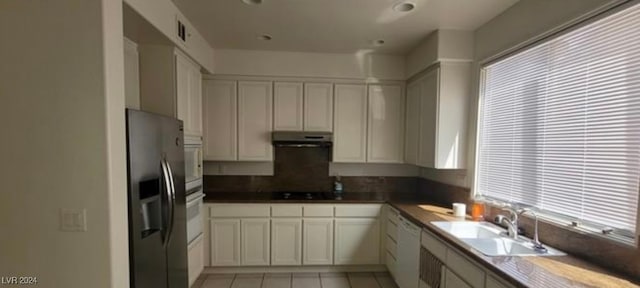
column 296, row 195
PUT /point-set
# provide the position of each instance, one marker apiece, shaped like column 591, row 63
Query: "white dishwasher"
column 408, row 261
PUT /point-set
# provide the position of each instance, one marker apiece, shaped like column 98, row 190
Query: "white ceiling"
column 333, row 26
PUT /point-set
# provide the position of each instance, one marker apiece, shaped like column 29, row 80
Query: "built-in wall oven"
column 193, row 183
column 194, row 218
column 193, row 164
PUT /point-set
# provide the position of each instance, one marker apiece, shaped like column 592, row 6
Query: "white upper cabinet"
column 171, row 85
column 220, row 120
column 131, row 75
column 287, row 106
column 350, row 118
column 318, row 107
column 386, row 124
column 255, row 106
column 412, row 123
column 428, row 118
column 442, row 126
column 189, row 95
column 194, row 126
column 182, row 87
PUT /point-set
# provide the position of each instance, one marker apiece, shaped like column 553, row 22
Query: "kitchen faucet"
column 512, row 226
column 511, row 222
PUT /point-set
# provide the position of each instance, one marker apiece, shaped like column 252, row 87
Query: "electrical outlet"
column 73, row 220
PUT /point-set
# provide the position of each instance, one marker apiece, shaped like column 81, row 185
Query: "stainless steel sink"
column 491, row 240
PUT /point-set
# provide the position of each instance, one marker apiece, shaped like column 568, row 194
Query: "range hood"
column 301, row 139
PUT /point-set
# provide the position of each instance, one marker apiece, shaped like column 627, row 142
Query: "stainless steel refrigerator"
column 156, row 190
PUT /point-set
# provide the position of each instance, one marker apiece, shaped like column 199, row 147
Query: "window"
column 559, row 125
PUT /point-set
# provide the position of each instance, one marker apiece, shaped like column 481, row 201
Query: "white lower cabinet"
column 286, row 242
column 196, row 259
column 255, row 237
column 225, row 242
column 357, row 241
column 317, row 241
column 294, row 235
column 492, row 282
column 451, row 280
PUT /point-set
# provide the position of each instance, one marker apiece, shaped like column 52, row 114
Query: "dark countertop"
column 543, row 272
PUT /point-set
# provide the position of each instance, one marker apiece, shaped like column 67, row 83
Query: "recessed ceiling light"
column 378, row 42
column 265, row 37
column 404, row 6
column 252, row 2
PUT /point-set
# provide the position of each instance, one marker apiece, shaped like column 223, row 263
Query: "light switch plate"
column 73, row 220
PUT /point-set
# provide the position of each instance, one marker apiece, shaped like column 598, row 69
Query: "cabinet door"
column 357, row 241
column 318, row 107
column 390, row 262
column 494, row 283
column 255, row 121
column 131, row 75
column 287, row 106
column 255, row 242
column 225, row 242
column 386, row 124
column 183, row 67
column 350, row 120
column 196, row 261
column 195, row 102
column 286, row 242
column 430, row 90
column 453, row 103
column 220, row 107
column 412, row 122
column 317, row 241
column 453, row 281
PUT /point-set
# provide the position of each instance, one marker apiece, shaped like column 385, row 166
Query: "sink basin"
column 469, row 230
column 491, row 240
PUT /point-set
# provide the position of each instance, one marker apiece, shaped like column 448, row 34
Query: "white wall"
column 302, row 64
column 526, row 20
column 441, row 45
column 162, row 15
column 62, row 95
column 520, row 23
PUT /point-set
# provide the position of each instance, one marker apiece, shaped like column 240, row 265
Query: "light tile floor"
column 296, row 280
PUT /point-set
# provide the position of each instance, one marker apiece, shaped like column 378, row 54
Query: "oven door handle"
column 195, row 198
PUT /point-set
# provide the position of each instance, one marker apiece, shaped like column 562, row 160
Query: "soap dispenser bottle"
column 337, row 185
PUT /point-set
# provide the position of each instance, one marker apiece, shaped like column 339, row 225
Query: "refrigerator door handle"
column 168, row 190
column 173, row 202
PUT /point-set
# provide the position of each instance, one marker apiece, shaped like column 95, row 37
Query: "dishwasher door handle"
column 409, row 227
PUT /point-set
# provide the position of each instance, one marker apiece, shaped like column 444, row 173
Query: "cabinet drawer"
column 453, row 280
column 240, row 210
column 465, row 269
column 195, row 258
column 391, row 246
column 392, row 214
column 392, row 230
column 286, row 210
column 318, row 210
column 358, row 210
column 390, row 261
column 494, row 283
column 435, row 246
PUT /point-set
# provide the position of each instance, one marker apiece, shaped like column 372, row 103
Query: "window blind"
column 559, row 124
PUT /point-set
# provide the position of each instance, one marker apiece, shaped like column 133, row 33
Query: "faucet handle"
column 499, row 218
